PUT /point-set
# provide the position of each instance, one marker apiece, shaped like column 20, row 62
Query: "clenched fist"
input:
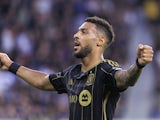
column 5, row 61
column 144, row 54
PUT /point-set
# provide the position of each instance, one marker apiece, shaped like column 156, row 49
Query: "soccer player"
column 94, row 85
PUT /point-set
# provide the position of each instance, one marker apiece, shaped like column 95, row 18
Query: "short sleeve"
column 113, row 67
column 109, row 69
column 58, row 82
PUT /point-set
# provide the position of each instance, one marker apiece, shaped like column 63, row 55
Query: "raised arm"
column 126, row 78
column 33, row 77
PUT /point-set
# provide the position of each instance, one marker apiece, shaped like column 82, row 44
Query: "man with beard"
column 94, row 85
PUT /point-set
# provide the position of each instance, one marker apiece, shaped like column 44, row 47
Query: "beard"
column 83, row 52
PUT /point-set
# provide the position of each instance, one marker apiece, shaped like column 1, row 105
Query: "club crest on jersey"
column 85, row 98
column 70, row 82
column 90, row 79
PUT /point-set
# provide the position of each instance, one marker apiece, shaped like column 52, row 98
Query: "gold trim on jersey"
column 112, row 63
column 58, row 75
column 81, row 112
column 106, row 71
column 74, row 106
column 104, row 106
column 93, row 93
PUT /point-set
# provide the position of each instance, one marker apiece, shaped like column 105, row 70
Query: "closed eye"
column 84, row 31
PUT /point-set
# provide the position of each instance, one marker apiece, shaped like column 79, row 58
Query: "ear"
column 101, row 42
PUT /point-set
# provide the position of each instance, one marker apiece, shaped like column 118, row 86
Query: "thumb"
column 139, row 51
column 140, row 46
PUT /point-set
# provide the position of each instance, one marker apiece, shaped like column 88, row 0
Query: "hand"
column 5, row 61
column 144, row 54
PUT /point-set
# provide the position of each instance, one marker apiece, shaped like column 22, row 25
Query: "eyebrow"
column 83, row 29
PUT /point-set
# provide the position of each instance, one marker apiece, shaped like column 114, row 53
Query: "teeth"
column 76, row 44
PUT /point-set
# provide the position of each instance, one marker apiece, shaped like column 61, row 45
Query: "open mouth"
column 76, row 45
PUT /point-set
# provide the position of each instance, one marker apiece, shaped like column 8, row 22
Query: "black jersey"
column 92, row 95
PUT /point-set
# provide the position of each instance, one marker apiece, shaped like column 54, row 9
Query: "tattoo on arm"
column 125, row 78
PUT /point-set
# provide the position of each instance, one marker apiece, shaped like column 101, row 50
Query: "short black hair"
column 103, row 25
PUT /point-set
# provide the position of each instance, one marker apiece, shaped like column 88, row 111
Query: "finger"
column 147, row 56
column 147, row 46
column 146, row 53
column 147, row 50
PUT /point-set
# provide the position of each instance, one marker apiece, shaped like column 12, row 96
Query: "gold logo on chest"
column 90, row 79
column 85, row 98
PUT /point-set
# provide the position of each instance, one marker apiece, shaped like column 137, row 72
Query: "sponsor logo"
column 85, row 98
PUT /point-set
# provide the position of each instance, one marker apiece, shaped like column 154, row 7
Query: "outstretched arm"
column 126, row 78
column 33, row 77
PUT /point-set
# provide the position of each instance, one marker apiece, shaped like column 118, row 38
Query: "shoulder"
column 110, row 66
column 75, row 67
column 111, row 63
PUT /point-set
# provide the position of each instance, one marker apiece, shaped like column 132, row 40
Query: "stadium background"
column 39, row 34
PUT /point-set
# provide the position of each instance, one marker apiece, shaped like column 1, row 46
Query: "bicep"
column 47, row 84
column 120, row 77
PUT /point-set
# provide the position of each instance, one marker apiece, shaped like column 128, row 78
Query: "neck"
column 89, row 62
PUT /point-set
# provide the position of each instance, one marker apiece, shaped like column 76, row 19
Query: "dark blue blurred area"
column 39, row 34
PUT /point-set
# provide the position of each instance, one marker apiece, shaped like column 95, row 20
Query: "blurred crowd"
column 39, row 34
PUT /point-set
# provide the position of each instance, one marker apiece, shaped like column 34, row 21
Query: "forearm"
column 30, row 76
column 130, row 76
column 35, row 78
column 125, row 78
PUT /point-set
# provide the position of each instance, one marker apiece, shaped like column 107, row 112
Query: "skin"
column 88, row 39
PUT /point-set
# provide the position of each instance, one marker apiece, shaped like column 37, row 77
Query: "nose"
column 76, row 36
